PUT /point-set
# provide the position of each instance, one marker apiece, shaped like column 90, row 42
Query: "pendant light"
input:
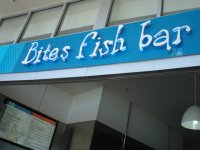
column 191, row 117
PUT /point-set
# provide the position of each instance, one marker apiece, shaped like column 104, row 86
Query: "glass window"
column 42, row 24
column 131, row 10
column 171, row 6
column 10, row 29
column 82, row 135
column 80, row 16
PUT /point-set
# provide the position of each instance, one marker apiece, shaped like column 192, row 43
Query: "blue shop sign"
column 164, row 37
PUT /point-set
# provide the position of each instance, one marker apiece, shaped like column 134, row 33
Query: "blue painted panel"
column 12, row 56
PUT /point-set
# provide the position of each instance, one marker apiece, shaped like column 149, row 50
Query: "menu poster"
column 27, row 128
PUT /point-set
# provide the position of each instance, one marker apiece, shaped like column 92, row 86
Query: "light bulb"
column 195, row 122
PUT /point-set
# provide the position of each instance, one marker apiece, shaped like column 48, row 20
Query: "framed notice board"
column 25, row 127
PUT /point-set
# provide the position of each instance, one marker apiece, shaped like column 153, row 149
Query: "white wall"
column 30, row 95
column 54, row 103
column 100, row 103
column 143, row 127
column 152, row 132
column 85, row 106
column 147, row 129
column 113, row 110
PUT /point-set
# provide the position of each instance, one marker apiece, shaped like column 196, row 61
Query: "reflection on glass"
column 131, row 10
column 80, row 16
column 171, row 6
column 82, row 136
column 42, row 24
column 10, row 29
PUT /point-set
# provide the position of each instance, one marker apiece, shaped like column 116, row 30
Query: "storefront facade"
column 114, row 74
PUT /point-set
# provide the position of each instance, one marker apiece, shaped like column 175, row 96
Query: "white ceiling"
column 8, row 7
